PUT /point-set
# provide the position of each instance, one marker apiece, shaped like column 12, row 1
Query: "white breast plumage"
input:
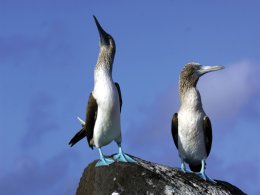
column 191, row 143
column 107, row 126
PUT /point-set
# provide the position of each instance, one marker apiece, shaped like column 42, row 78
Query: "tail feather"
column 195, row 168
column 79, row 136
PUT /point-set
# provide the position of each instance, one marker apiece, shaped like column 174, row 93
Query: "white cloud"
column 225, row 93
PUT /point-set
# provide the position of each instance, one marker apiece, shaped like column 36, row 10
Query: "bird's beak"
column 205, row 69
column 104, row 37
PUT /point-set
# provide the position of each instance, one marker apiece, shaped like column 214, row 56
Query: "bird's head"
column 107, row 43
column 193, row 71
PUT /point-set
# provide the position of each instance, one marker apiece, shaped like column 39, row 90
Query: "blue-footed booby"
column 191, row 127
column 102, row 124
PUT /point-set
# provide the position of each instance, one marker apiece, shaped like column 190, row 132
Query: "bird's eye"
column 194, row 68
column 197, row 67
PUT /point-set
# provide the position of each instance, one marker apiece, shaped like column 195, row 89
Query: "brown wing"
column 119, row 93
column 175, row 129
column 88, row 129
column 207, row 134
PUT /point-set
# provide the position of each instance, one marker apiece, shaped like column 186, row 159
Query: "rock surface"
column 146, row 178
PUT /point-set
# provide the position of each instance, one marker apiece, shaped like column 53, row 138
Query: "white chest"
column 107, row 127
column 104, row 91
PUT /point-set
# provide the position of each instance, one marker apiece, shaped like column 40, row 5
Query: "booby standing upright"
column 102, row 124
column 191, row 127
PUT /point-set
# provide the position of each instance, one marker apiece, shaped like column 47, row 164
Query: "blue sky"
column 48, row 50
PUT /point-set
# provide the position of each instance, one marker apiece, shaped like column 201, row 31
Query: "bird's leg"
column 103, row 161
column 183, row 166
column 122, row 157
column 202, row 173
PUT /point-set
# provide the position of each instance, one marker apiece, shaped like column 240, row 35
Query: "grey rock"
column 147, row 178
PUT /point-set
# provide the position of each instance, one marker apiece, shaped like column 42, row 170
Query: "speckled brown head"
column 107, row 48
column 191, row 73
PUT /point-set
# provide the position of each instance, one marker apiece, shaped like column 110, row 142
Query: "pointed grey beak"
column 205, row 69
column 104, row 37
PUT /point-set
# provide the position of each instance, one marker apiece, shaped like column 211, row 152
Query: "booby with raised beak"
column 102, row 124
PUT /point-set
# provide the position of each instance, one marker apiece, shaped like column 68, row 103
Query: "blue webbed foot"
column 202, row 173
column 103, row 161
column 122, row 157
column 203, row 176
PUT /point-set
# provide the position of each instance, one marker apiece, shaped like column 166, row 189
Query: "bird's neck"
column 105, row 60
column 190, row 99
column 187, row 82
column 104, row 64
column 102, row 73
